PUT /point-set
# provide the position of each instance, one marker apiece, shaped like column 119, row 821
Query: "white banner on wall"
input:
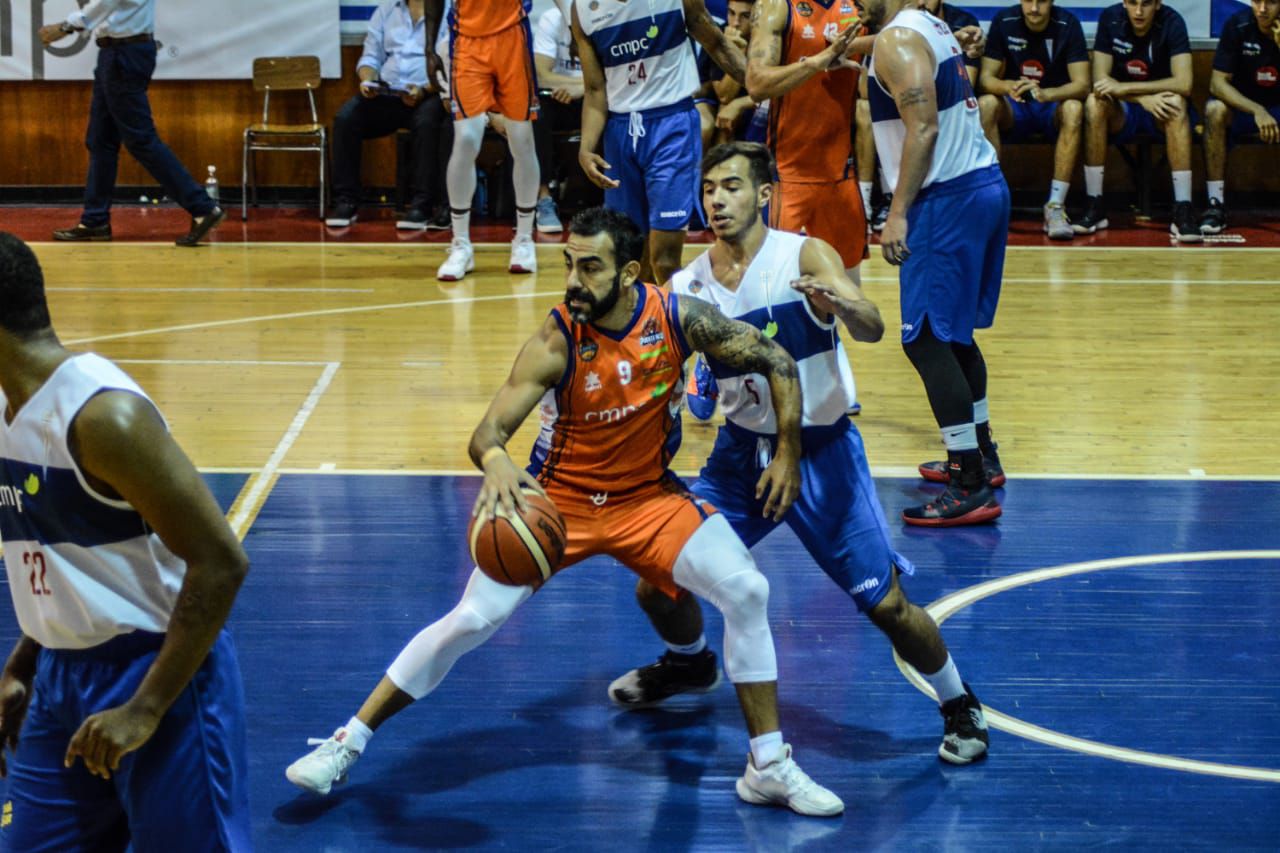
column 198, row 41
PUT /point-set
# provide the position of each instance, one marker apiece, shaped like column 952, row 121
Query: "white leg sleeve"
column 524, row 162
column 484, row 606
column 460, row 177
column 715, row 565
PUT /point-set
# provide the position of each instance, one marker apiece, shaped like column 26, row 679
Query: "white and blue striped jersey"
column 961, row 146
column 83, row 568
column 766, row 300
column 644, row 49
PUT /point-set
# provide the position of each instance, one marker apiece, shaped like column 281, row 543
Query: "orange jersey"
column 610, row 425
column 811, row 127
column 485, row 17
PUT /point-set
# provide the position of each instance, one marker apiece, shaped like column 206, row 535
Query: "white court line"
column 949, row 605
column 215, row 361
column 210, row 289
column 295, row 315
column 248, row 503
column 1148, row 282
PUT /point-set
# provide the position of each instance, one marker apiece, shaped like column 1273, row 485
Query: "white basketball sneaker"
column 524, row 255
column 461, row 260
column 323, row 767
column 781, row 782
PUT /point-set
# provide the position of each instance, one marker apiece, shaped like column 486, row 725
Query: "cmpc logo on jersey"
column 587, row 349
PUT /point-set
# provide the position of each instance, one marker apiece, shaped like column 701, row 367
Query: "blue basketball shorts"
column 837, row 516
column 957, row 232
column 1244, row 125
column 1030, row 119
column 185, row 789
column 655, row 155
column 1138, row 123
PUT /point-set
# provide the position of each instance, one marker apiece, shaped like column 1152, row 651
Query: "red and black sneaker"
column 954, row 507
column 936, row 472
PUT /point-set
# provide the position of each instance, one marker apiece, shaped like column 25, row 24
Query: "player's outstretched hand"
column 893, row 240
column 107, row 736
column 821, row 295
column 595, row 166
column 779, row 485
column 973, row 41
column 15, row 695
column 503, row 481
column 838, row 46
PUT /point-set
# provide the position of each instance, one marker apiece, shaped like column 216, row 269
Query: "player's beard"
column 599, row 307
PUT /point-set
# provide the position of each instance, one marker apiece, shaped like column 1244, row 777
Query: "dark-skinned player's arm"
column 595, row 109
column 722, row 51
column 15, row 694
column 766, row 78
column 538, row 367
column 125, row 450
column 743, row 347
column 905, row 64
column 831, row 292
column 432, row 13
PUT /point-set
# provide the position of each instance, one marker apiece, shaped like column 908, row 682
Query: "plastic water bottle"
column 211, row 184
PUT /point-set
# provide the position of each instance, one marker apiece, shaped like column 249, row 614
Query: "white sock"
column 461, row 224
column 1182, row 186
column 960, row 436
column 1216, row 190
column 1058, row 192
column 946, row 682
column 358, row 735
column 981, row 413
column 692, row 649
column 766, row 748
column 865, row 188
column 1093, row 180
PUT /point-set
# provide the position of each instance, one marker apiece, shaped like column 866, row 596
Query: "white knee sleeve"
column 460, row 177
column 715, row 565
column 484, row 606
column 525, row 174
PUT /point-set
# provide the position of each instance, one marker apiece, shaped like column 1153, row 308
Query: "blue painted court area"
column 520, row 749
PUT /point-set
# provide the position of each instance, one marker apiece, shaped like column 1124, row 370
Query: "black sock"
column 965, row 467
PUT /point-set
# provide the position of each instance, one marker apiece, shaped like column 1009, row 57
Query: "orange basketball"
column 524, row 550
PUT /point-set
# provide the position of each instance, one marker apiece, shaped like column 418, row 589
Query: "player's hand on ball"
column 595, row 166
column 503, row 480
column 893, row 240
column 15, row 695
column 107, row 736
column 779, row 485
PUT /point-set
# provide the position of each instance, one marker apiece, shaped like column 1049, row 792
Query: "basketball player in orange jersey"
column 491, row 51
column 811, row 87
column 605, row 372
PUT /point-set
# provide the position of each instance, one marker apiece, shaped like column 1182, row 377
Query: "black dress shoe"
column 201, row 226
column 96, row 233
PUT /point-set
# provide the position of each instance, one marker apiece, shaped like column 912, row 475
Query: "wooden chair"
column 282, row 74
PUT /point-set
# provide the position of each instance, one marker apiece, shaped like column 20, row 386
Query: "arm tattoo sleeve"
column 733, row 343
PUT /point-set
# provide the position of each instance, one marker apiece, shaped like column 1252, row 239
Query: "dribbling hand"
column 503, row 481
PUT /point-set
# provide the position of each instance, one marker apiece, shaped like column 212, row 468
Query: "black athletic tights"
column 954, row 375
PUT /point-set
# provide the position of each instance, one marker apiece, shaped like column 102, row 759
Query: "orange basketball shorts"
column 644, row 529
column 495, row 73
column 831, row 212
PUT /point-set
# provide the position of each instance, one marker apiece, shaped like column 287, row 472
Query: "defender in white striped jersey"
column 794, row 288
column 122, row 570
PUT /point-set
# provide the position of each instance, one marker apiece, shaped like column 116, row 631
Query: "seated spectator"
column 555, row 59
column 1034, row 79
column 738, row 115
column 1141, row 83
column 393, row 96
column 865, row 146
column 1244, row 97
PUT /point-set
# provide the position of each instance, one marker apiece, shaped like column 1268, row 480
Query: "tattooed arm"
column 125, row 451
column 743, row 347
column 906, row 66
column 703, row 28
column 765, row 77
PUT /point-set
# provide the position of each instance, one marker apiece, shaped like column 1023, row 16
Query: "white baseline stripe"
column 141, row 290
column 235, row 361
column 248, row 504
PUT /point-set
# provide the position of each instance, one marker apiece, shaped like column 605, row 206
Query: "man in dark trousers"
column 120, row 112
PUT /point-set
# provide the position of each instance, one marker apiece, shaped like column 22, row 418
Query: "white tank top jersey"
column 644, row 48
column 766, row 300
column 961, row 146
column 83, row 568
